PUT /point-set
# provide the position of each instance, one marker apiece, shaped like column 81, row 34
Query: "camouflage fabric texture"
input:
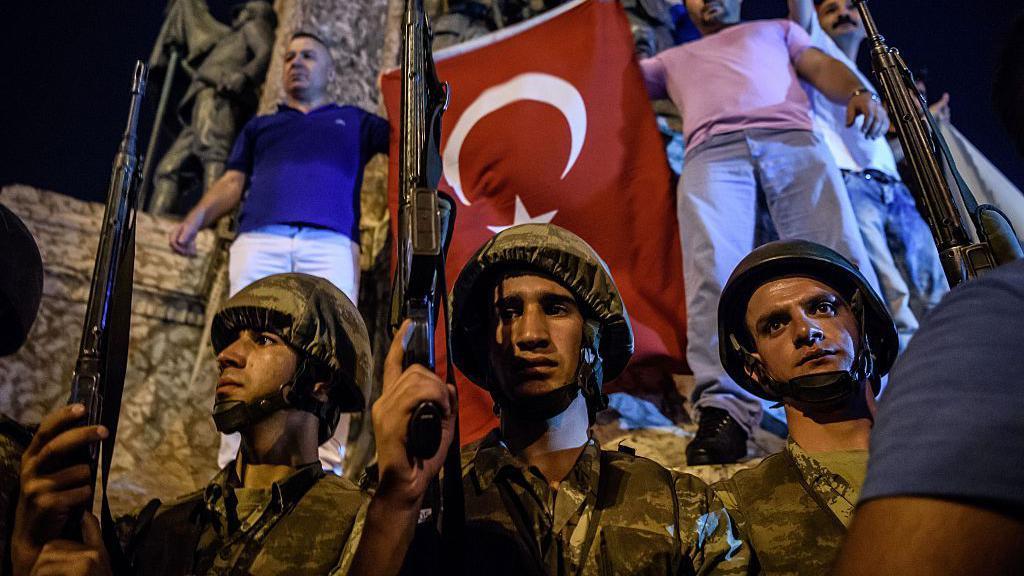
column 312, row 315
column 792, row 511
column 614, row 513
column 310, row 523
column 14, row 438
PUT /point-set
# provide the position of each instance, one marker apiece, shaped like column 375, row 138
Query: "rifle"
column 98, row 379
column 964, row 255
column 426, row 219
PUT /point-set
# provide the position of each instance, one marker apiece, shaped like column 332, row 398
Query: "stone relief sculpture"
column 225, row 66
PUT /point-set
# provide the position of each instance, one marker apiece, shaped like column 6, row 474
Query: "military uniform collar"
column 830, row 489
column 494, row 459
column 282, row 494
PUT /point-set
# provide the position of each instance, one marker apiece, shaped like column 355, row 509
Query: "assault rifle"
column 98, row 380
column 426, row 219
column 963, row 254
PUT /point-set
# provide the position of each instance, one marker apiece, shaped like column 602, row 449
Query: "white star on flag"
column 523, row 217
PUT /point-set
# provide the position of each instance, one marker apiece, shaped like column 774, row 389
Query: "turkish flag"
column 549, row 121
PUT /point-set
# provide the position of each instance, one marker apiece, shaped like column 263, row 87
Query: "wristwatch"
column 863, row 90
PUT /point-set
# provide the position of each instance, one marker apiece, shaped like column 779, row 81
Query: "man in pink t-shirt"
column 747, row 122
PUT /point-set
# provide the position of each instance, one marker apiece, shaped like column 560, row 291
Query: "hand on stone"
column 232, row 83
column 183, row 237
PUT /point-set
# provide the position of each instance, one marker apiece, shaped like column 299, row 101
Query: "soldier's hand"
column 183, row 237
column 940, row 108
column 403, row 480
column 70, row 558
column 866, row 104
column 54, row 483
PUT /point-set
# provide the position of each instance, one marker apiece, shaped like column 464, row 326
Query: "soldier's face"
column 840, row 18
column 536, row 330
column 307, row 67
column 254, row 365
column 800, row 327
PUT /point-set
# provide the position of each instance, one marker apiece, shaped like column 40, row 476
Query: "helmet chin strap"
column 231, row 416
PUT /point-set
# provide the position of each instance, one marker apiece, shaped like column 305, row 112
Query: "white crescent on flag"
column 535, row 86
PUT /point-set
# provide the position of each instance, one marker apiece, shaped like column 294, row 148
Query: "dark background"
column 68, row 66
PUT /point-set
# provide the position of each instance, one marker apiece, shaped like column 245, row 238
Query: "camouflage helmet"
column 800, row 258
column 316, row 319
column 21, row 281
column 553, row 252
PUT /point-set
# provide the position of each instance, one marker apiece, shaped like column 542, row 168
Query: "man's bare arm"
column 913, row 536
column 220, row 199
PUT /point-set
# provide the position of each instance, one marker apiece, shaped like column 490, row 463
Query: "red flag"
column 549, row 121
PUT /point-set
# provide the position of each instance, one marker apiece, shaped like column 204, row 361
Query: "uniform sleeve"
column 241, row 157
column 797, row 39
column 348, row 553
column 712, row 540
column 376, row 133
column 655, row 77
column 950, row 422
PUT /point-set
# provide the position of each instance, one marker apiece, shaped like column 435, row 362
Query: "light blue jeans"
column 900, row 248
column 717, row 209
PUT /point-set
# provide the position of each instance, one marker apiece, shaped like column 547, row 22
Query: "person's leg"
column 334, row 257
column 915, row 252
column 870, row 205
column 716, row 207
column 806, row 195
column 258, row 254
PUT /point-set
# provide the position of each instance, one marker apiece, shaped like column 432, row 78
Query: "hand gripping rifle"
column 963, row 255
column 98, row 380
column 426, row 219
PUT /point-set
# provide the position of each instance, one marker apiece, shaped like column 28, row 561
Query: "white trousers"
column 283, row 248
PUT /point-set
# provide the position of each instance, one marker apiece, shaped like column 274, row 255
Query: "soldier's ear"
column 321, row 390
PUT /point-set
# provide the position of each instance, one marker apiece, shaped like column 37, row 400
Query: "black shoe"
column 719, row 440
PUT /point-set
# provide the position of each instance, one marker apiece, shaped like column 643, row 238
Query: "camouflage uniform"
column 309, row 523
column 792, row 510
column 614, row 513
column 14, row 438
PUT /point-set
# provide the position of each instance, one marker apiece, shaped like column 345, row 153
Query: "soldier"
column 294, row 354
column 799, row 324
column 538, row 322
column 21, row 289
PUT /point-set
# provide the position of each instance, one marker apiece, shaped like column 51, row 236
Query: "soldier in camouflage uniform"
column 538, row 322
column 799, row 324
column 294, row 354
column 21, row 289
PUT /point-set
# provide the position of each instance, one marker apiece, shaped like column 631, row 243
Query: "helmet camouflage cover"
column 316, row 319
column 550, row 251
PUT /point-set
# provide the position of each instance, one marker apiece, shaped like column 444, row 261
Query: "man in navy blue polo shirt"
column 303, row 167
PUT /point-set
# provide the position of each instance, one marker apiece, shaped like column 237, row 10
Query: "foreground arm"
column 70, row 558
column 395, row 507
column 220, row 199
column 801, row 12
column 833, row 79
column 922, row 536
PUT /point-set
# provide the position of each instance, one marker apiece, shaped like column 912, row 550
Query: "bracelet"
column 863, row 90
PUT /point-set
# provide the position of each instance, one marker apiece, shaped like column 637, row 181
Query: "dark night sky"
column 68, row 70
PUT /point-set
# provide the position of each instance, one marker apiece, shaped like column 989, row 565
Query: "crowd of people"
column 922, row 480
